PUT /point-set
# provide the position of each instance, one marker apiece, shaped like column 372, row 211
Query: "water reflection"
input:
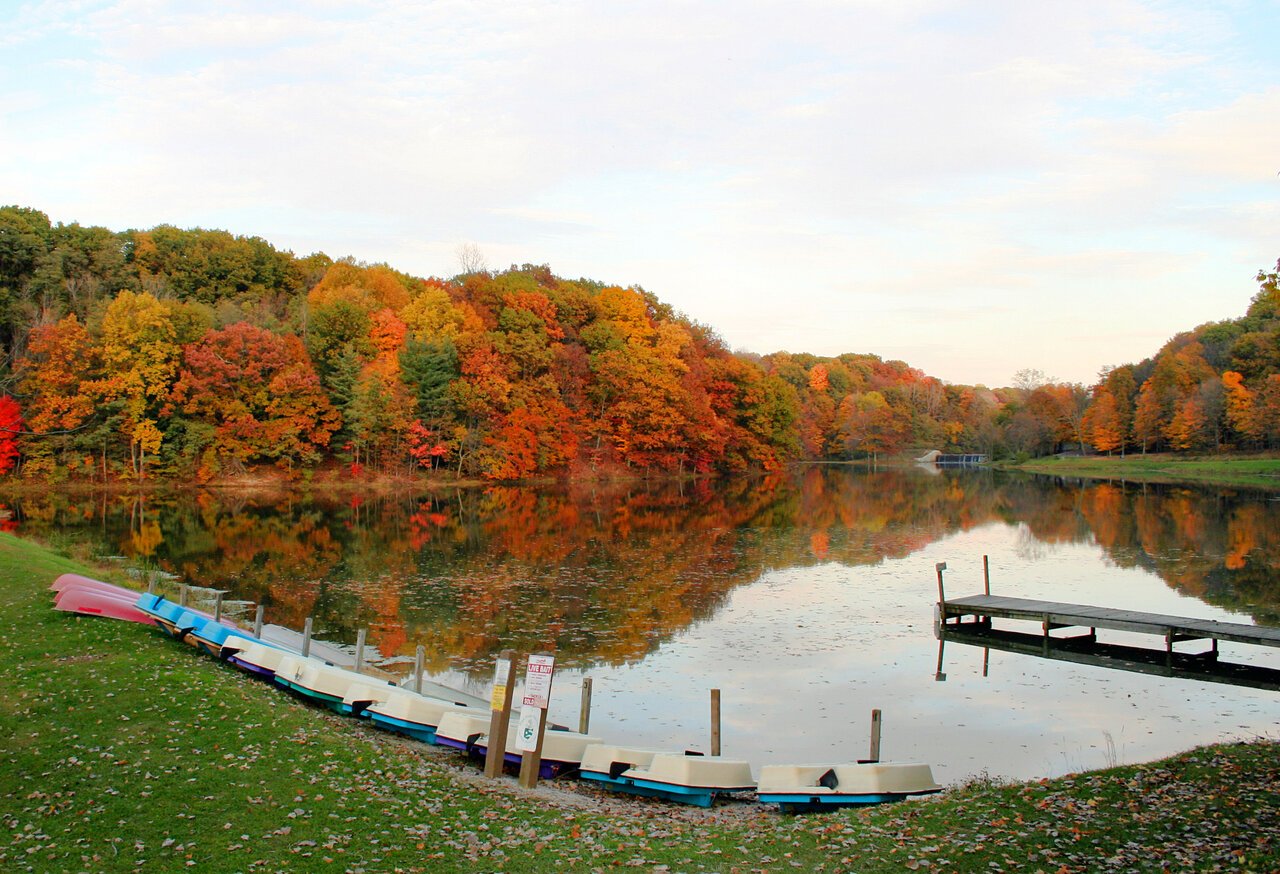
column 814, row 586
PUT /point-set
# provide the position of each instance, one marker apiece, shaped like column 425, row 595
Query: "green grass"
column 121, row 751
column 1249, row 471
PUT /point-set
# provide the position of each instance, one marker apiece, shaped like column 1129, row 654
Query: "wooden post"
column 217, row 607
column 584, row 711
column 986, row 576
column 257, row 621
column 504, row 687
column 360, row 638
column 942, row 595
column 938, row 675
column 306, row 638
column 715, row 722
column 183, row 594
column 531, row 760
column 986, row 660
column 537, row 697
column 151, row 585
column 418, row 659
column 875, row 736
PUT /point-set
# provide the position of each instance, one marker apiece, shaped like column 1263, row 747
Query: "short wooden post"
column 306, row 638
column 419, row 658
column 986, row 660
column 217, row 607
column 715, row 722
column 360, row 638
column 183, row 594
column 942, row 595
column 257, row 621
column 151, row 585
column 538, row 679
column 986, row 576
column 875, row 736
column 938, row 674
column 504, row 687
column 584, row 711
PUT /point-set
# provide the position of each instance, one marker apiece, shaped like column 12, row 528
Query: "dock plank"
column 1115, row 619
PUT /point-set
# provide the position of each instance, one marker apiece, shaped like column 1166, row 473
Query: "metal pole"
column 306, row 638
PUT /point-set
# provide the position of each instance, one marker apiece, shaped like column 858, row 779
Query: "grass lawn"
column 122, row 751
column 1253, row 471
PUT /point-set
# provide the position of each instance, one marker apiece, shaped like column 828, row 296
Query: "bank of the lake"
column 123, row 750
column 1230, row 470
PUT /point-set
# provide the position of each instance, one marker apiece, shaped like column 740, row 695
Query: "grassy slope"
column 122, row 750
column 1220, row 470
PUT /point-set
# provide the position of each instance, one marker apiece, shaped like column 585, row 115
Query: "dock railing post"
column 715, row 722
column 942, row 598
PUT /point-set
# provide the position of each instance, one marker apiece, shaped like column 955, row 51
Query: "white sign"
column 537, row 681
column 500, row 673
column 527, row 728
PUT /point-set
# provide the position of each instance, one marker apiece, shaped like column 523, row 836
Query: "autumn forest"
column 197, row 353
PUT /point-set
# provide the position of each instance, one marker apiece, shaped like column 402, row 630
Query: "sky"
column 973, row 188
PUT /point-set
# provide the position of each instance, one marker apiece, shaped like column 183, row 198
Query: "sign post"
column 504, row 686
column 533, row 716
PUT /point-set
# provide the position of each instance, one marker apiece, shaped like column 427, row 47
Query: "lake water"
column 807, row 600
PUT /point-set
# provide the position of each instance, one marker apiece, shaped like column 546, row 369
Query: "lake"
column 807, row 599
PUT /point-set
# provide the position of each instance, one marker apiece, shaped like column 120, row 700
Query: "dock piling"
column 986, row 576
column 715, row 722
column 875, row 736
column 217, row 607
column 584, row 711
column 360, row 639
column 257, row 621
column 418, row 659
column 306, row 638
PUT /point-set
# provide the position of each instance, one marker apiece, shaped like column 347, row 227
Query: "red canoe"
column 91, row 602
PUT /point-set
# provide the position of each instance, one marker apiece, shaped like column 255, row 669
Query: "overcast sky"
column 971, row 187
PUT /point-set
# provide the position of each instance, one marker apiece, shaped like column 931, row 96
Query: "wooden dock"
column 1053, row 615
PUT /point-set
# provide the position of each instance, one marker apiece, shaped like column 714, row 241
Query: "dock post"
column 715, row 722
column 419, row 657
column 875, row 736
column 306, row 638
column 584, row 712
column 938, row 675
column 360, row 638
column 217, row 607
column 183, row 594
column 151, row 585
column 986, row 576
column 257, row 621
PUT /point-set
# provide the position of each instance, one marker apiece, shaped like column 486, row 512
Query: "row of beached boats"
column 462, row 721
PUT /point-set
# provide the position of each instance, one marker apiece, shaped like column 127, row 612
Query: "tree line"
column 201, row 353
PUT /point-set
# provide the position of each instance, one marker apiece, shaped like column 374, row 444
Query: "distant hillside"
column 197, row 353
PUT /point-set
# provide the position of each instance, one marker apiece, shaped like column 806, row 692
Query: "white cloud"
column 811, row 176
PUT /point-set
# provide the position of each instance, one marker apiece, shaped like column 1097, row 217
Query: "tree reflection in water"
column 603, row 574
